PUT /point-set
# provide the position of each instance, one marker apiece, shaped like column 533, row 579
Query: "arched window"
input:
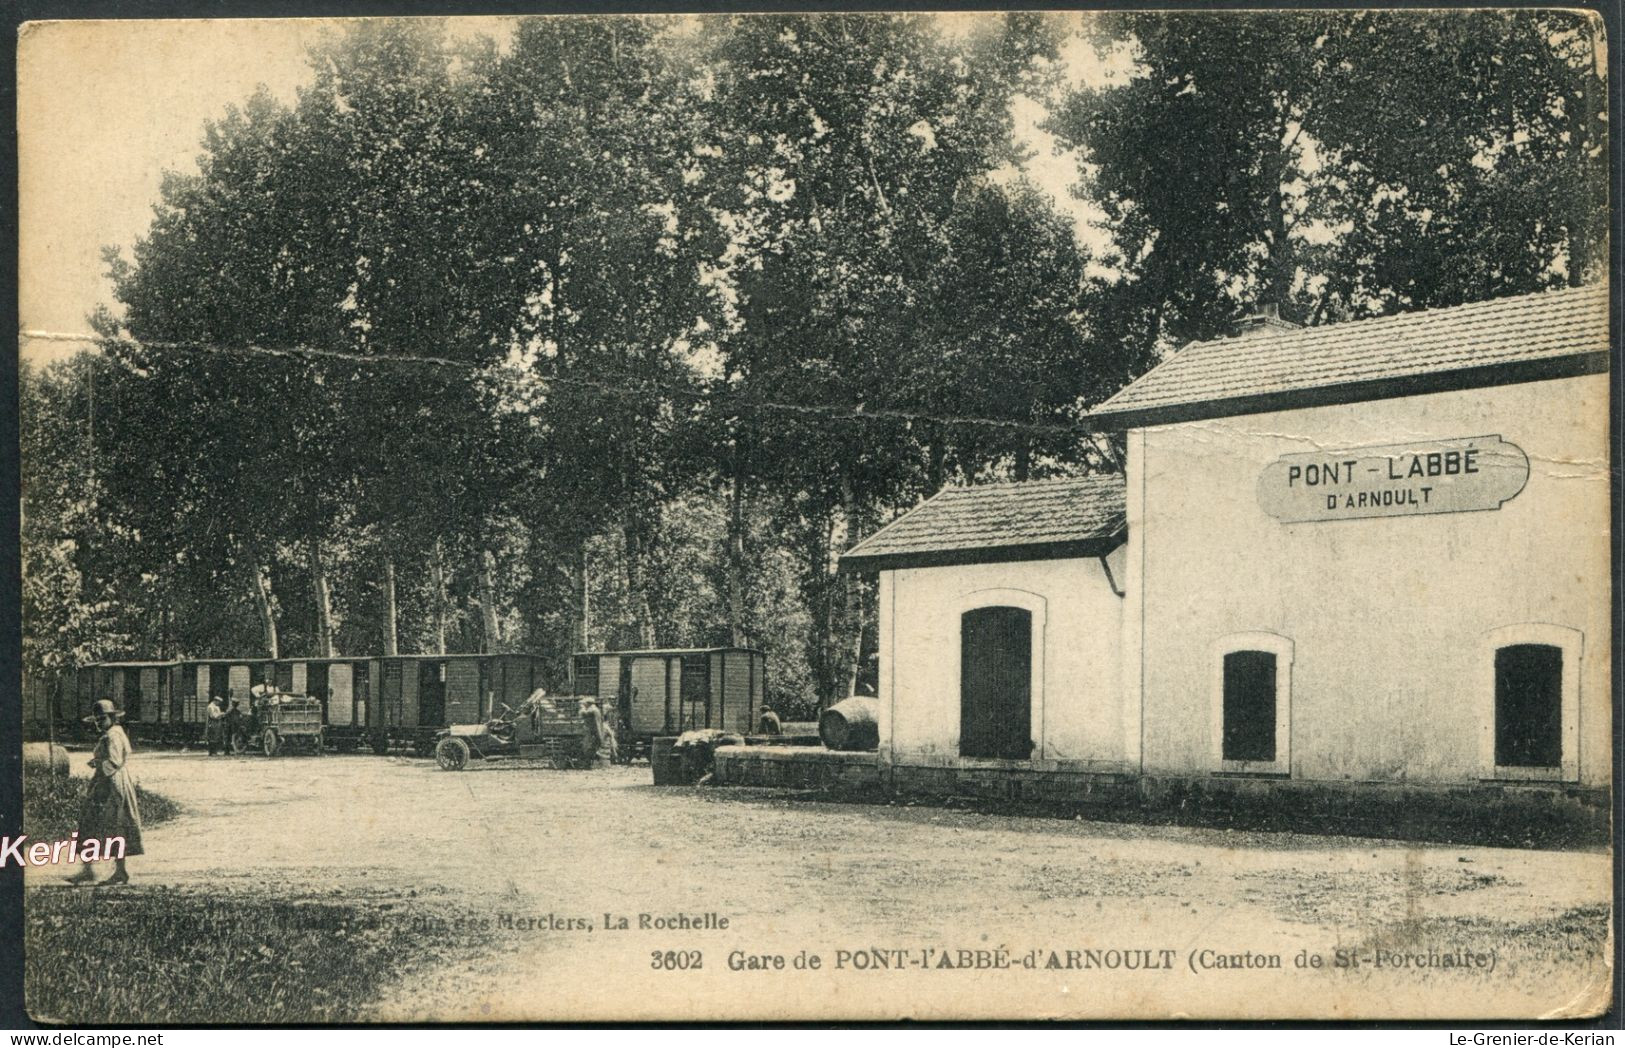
column 1531, row 695
column 1251, row 703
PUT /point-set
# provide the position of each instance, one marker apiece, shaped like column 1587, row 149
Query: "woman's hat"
column 104, row 707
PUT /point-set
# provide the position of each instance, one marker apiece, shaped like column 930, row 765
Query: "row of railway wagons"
column 384, row 702
column 400, row 701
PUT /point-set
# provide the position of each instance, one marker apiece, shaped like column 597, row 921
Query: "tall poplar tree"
column 856, row 150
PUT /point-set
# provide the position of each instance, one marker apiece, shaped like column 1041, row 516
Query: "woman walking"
column 110, row 809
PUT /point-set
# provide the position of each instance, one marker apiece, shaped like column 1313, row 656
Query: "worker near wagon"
column 611, row 747
column 592, row 738
column 214, row 727
column 768, row 723
column 234, row 720
column 110, row 808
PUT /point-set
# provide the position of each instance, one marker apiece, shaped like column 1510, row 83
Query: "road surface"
column 729, row 895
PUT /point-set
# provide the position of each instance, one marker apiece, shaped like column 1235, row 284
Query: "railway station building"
column 1000, row 627
column 1371, row 554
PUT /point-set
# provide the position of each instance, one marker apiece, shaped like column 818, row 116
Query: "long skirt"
column 111, row 810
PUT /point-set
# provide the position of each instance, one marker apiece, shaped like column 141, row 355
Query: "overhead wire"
column 731, row 402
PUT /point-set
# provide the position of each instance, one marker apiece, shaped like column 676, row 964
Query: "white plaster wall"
column 1077, row 712
column 1387, row 615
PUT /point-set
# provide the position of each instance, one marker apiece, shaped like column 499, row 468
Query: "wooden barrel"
column 853, row 724
column 666, row 762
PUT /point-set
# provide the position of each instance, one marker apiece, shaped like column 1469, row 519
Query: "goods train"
column 380, row 702
column 400, row 702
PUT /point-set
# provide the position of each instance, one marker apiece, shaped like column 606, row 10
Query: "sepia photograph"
column 822, row 517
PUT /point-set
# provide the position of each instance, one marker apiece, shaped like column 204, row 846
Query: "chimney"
column 1266, row 320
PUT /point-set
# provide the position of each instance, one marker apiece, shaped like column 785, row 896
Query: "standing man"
column 611, row 748
column 214, row 727
column 592, row 738
column 233, row 720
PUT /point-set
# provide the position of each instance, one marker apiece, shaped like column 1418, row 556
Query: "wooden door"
column 152, row 699
column 460, row 693
column 615, row 689
column 392, row 708
column 649, row 702
column 194, row 692
column 239, row 678
column 182, row 691
column 316, row 683
column 995, row 683
column 361, row 677
column 340, row 694
column 1249, row 706
column 431, row 693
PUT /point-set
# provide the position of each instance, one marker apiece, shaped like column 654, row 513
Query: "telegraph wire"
column 726, row 401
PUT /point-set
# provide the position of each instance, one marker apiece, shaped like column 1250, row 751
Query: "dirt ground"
column 909, row 911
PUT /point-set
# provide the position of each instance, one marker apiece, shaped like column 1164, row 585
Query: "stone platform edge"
column 1491, row 813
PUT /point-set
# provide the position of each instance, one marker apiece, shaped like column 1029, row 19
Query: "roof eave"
column 1502, row 373
column 942, row 558
column 658, row 652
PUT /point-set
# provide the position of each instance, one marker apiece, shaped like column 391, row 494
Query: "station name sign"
column 1394, row 480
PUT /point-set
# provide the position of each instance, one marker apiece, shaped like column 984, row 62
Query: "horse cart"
column 543, row 728
column 280, row 722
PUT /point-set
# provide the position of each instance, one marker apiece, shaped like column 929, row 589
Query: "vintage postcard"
column 817, row 517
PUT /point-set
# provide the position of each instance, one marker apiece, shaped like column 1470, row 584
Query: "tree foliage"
column 617, row 335
column 1339, row 164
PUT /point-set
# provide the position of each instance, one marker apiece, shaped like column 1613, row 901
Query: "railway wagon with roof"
column 412, row 697
column 163, row 701
column 668, row 691
column 380, row 702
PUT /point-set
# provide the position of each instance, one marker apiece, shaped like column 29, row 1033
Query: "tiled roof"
column 667, row 651
column 1032, row 520
column 1550, row 334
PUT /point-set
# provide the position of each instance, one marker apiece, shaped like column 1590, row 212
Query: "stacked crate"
column 559, row 715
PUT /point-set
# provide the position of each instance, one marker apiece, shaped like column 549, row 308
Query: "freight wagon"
column 342, row 685
column 670, row 691
column 417, row 695
column 40, row 701
column 162, row 701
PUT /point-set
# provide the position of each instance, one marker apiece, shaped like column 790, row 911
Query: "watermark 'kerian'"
column 47, row 853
